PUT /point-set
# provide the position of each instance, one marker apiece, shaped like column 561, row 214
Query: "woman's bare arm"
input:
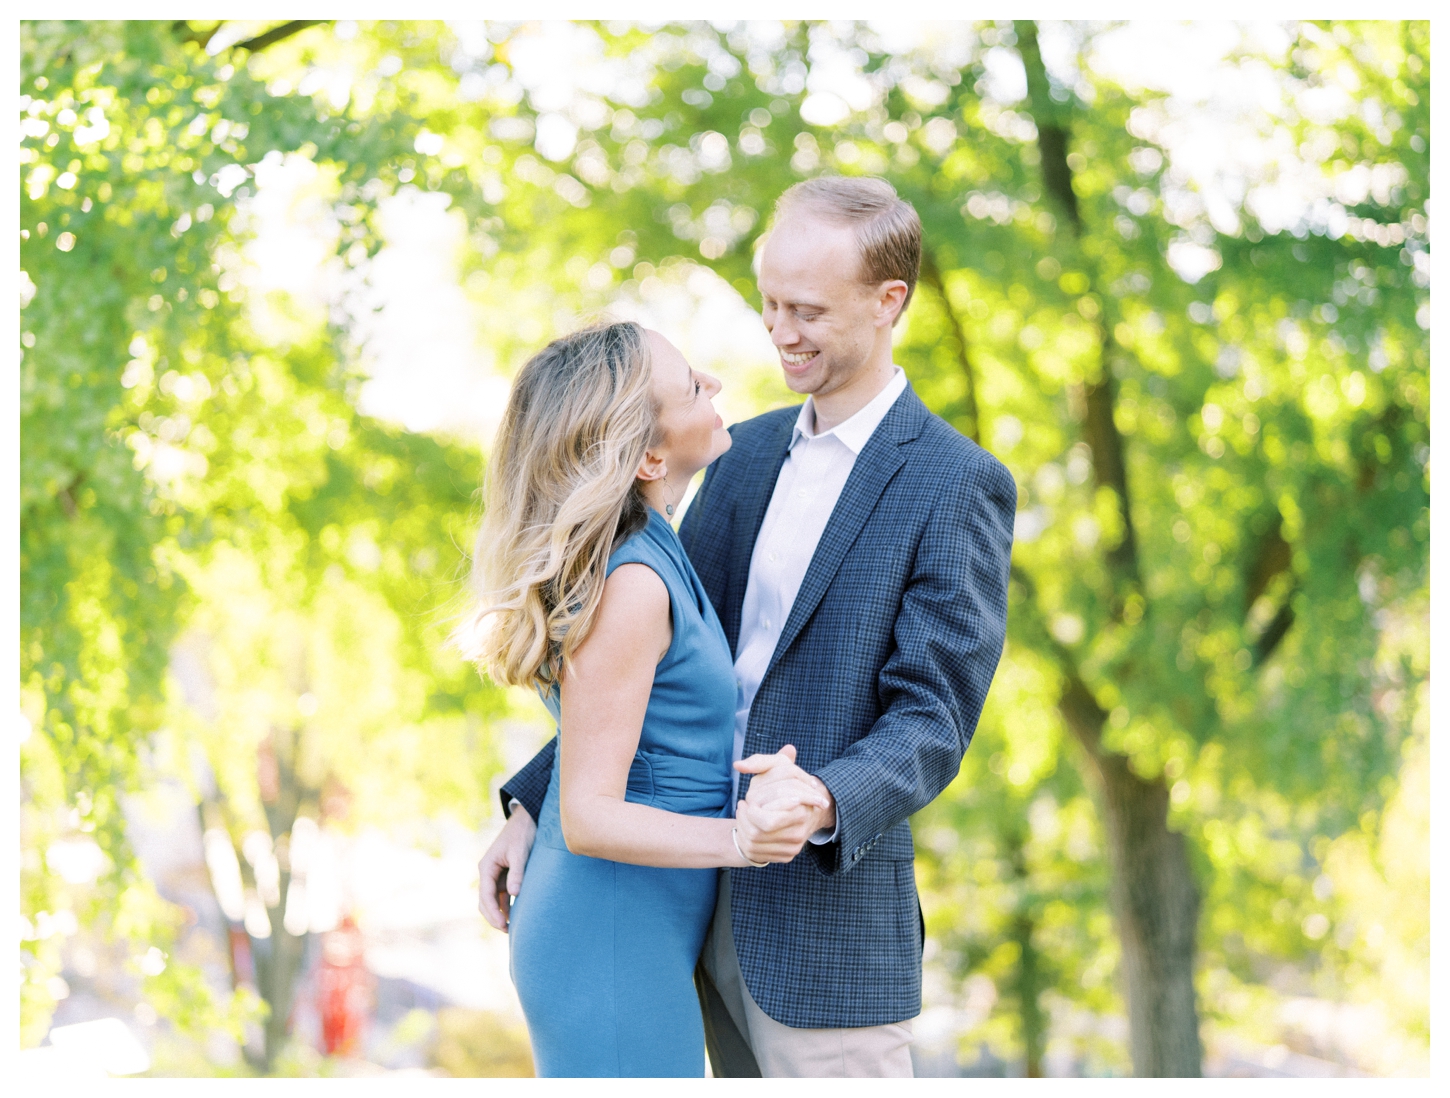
column 603, row 696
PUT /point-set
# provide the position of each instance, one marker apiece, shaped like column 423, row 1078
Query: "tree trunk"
column 279, row 956
column 1110, row 467
column 1155, row 903
column 278, row 960
column 1029, row 976
column 1155, row 899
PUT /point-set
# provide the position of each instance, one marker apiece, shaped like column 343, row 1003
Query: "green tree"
column 1215, row 471
column 167, row 446
column 1301, row 499
column 1223, row 473
column 320, row 616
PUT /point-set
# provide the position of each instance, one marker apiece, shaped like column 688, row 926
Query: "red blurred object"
column 269, row 774
column 243, row 974
column 344, row 989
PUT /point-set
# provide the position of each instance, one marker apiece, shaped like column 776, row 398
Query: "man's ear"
column 651, row 467
column 890, row 300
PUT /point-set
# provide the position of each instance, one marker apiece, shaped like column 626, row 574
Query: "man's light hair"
column 887, row 227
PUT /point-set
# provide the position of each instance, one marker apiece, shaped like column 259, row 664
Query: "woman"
column 588, row 597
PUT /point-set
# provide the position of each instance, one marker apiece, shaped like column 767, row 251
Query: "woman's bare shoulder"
column 634, row 613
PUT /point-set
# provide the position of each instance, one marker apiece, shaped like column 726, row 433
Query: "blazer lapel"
column 877, row 464
column 750, row 510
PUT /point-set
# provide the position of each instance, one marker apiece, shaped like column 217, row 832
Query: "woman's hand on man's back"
column 508, row 855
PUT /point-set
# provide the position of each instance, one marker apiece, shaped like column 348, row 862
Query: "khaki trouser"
column 743, row 1030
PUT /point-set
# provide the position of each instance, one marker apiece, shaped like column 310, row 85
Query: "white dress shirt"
column 810, row 482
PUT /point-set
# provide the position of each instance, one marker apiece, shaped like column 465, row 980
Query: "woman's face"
column 694, row 435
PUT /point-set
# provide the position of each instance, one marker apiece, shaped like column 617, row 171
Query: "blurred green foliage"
column 480, row 1044
column 181, row 470
column 1220, row 587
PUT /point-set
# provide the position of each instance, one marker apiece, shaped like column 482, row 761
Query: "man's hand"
column 509, row 852
column 784, row 808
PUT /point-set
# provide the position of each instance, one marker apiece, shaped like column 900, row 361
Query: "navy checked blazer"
column 878, row 679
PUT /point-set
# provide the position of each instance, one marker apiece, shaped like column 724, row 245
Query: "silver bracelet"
column 735, row 838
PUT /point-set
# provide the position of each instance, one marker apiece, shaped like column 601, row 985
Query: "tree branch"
column 185, row 32
column 277, row 34
column 931, row 275
column 1100, row 430
column 1274, row 556
column 1275, row 631
column 1051, row 122
column 1084, row 716
column 67, row 495
column 1110, row 468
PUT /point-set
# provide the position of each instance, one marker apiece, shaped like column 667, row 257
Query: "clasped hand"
column 783, row 808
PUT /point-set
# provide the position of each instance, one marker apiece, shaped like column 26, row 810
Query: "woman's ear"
column 651, row 467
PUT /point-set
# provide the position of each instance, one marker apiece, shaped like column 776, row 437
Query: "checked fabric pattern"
column 878, row 679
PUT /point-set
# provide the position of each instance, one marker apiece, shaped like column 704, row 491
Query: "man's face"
column 821, row 317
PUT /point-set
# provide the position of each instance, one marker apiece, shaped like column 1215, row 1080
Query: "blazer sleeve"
column 948, row 638
column 531, row 784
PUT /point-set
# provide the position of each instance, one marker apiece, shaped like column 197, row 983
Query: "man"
column 856, row 549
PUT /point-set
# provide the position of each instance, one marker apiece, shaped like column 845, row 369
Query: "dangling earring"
column 669, row 507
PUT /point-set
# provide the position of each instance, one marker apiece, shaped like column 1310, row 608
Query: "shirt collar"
column 855, row 432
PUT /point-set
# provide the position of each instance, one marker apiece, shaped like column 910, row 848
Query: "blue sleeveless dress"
column 603, row 953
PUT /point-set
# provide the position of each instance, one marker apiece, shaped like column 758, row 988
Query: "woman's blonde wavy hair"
column 560, row 494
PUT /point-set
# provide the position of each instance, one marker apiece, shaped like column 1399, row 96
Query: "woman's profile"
column 586, row 595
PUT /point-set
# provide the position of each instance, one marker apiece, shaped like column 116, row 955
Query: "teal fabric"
column 603, row 953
